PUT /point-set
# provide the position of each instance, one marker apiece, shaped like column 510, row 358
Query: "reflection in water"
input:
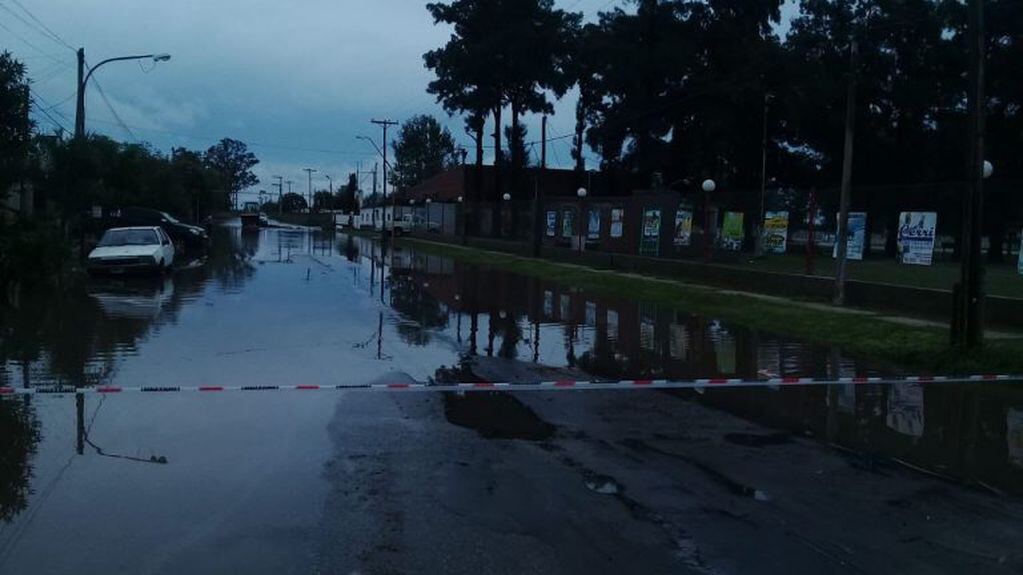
column 415, row 305
column 19, row 435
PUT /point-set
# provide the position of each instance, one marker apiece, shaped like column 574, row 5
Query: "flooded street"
column 904, row 478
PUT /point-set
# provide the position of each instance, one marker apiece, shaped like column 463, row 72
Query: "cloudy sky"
column 297, row 81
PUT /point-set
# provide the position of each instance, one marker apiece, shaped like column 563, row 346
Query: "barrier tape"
column 565, row 384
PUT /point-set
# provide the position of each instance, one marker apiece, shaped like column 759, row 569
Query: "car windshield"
column 129, row 238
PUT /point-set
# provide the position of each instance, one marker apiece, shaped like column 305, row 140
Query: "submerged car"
column 137, row 249
column 185, row 236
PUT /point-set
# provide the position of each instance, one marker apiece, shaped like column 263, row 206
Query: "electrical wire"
column 53, row 34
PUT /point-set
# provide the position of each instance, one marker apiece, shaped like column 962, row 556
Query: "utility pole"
column 80, row 104
column 842, row 247
column 394, row 201
column 538, row 191
column 309, row 173
column 280, row 192
column 758, row 241
column 968, row 319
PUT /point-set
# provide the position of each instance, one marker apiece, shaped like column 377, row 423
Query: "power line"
column 34, row 27
column 45, row 112
column 30, row 44
column 44, row 26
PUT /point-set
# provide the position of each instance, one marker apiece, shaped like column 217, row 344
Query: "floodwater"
column 281, row 482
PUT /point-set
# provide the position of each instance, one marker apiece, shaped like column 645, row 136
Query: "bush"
column 31, row 254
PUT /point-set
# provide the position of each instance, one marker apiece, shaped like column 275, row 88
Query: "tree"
column 502, row 52
column 423, row 148
column 348, row 195
column 15, row 125
column 516, row 154
column 292, row 202
column 233, row 160
column 323, row 200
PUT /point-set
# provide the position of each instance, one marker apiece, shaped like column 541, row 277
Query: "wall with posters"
column 732, row 232
column 567, row 216
column 776, row 231
column 856, row 236
column 683, row 226
column 916, row 237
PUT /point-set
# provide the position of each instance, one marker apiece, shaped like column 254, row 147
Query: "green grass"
column 908, row 347
column 1001, row 279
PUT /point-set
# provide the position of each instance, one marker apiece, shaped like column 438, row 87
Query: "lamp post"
column 429, row 201
column 581, row 194
column 83, row 80
column 708, row 187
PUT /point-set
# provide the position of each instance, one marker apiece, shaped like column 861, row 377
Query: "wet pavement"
column 797, row 479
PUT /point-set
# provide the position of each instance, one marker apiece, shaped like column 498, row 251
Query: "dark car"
column 187, row 236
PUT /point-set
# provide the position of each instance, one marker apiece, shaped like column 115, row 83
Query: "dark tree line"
column 685, row 88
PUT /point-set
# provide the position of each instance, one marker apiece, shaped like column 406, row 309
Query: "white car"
column 122, row 250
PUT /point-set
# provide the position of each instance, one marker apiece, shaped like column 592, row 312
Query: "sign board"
column 856, row 236
column 683, row 226
column 1014, row 435
column 916, row 237
column 617, row 214
column 1019, row 264
column 552, row 223
column 731, row 231
column 593, row 226
column 649, row 243
column 776, row 231
column 566, row 223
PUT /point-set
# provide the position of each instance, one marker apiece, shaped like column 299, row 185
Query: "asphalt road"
column 528, row 482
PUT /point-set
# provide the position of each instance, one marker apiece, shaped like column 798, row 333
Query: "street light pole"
column 309, row 173
column 83, row 80
column 968, row 319
column 708, row 187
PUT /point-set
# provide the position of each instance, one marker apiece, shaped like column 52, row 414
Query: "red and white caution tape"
column 567, row 384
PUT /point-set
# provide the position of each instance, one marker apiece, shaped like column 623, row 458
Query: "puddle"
column 496, row 415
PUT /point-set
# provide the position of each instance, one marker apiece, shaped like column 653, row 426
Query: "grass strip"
column 913, row 348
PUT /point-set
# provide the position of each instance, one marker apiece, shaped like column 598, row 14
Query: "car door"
column 166, row 247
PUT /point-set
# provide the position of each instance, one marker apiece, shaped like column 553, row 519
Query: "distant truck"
column 250, row 216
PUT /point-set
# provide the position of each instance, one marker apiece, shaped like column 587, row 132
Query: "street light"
column 83, row 80
column 988, row 169
column 708, row 187
column 581, row 193
column 506, row 196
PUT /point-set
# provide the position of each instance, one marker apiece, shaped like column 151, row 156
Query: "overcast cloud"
column 297, row 81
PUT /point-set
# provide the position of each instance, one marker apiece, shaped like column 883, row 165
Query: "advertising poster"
column 678, row 342
column 776, row 231
column 593, row 226
column 552, row 223
column 731, row 231
column 548, row 303
column 612, row 325
column 906, row 409
column 916, row 237
column 649, row 244
column 566, row 223
column 856, row 235
column 617, row 214
column 683, row 226
column 591, row 314
column 1019, row 264
column 1014, row 436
